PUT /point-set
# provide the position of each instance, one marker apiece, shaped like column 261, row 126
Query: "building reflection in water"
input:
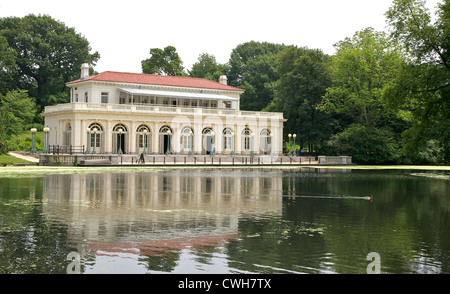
column 159, row 213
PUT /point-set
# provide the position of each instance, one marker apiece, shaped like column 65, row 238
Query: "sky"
column 124, row 31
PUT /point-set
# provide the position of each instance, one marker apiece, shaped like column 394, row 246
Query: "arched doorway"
column 120, row 139
column 143, row 138
column 208, row 141
column 96, row 138
column 165, row 140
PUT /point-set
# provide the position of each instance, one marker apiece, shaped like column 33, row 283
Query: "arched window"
column 67, row 135
column 265, row 141
column 143, row 139
column 96, row 138
column 228, row 140
column 247, row 140
column 187, row 135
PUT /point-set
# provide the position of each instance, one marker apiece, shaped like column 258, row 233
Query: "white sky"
column 124, row 31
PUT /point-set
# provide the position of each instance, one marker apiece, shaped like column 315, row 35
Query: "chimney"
column 84, row 71
column 223, row 80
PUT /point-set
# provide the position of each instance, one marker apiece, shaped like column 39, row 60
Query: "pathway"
column 24, row 157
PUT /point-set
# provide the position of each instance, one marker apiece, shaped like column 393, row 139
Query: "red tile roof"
column 150, row 79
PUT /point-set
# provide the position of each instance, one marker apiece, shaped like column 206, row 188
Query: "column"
column 132, row 139
column 107, row 138
column 155, row 137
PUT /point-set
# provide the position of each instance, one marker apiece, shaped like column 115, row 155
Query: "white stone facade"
column 134, row 113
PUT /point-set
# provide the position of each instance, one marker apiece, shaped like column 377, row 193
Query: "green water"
column 224, row 220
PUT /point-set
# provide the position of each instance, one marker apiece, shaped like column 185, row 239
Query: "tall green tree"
column 8, row 66
column 422, row 87
column 4, row 126
column 253, row 67
column 363, row 67
column 208, row 68
column 20, row 109
column 163, row 62
column 47, row 54
column 304, row 77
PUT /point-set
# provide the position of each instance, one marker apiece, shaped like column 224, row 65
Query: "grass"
column 6, row 159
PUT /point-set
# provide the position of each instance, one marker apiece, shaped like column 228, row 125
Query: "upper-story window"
column 76, row 97
column 104, row 96
column 86, row 97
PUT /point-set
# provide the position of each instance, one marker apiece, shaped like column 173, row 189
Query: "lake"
column 225, row 220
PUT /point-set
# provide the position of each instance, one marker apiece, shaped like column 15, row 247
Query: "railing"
column 157, row 109
column 64, row 149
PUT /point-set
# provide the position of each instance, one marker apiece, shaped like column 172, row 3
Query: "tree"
column 252, row 67
column 4, row 125
column 47, row 54
column 304, row 77
column 7, row 66
column 362, row 69
column 163, row 62
column 20, row 110
column 207, row 67
column 422, row 87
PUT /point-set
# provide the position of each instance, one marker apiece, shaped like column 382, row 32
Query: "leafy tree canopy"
column 422, row 87
column 163, row 62
column 20, row 109
column 252, row 67
column 304, row 77
column 42, row 54
column 208, row 68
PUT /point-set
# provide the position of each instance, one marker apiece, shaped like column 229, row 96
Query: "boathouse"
column 132, row 113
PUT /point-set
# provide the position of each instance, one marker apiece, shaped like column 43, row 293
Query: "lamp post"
column 168, row 142
column 252, row 143
column 190, row 143
column 46, row 147
column 232, row 143
column 120, row 141
column 295, row 153
column 290, row 135
column 95, row 140
column 33, row 140
column 88, row 137
column 145, row 142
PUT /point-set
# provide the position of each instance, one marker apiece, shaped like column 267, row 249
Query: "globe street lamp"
column 120, row 141
column 46, row 147
column 168, row 141
column 33, row 140
column 290, row 135
column 95, row 140
column 145, row 142
column 88, row 137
